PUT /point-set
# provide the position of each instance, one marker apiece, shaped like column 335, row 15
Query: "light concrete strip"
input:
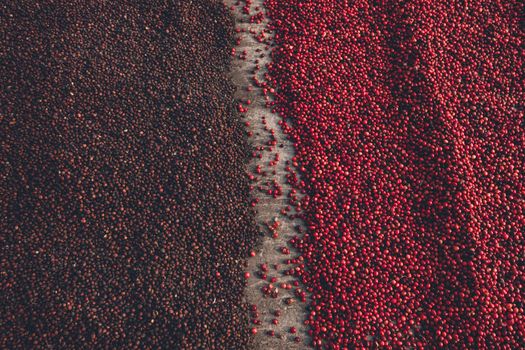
column 268, row 208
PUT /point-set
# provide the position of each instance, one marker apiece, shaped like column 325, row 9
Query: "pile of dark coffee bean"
column 123, row 198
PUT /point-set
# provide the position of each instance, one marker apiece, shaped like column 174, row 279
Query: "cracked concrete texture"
column 268, row 208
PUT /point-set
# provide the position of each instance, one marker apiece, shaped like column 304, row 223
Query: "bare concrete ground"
column 268, row 208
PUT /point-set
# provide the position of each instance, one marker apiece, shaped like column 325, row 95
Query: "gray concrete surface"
column 268, row 207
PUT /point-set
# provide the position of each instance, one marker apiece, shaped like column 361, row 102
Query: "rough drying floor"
column 268, row 208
